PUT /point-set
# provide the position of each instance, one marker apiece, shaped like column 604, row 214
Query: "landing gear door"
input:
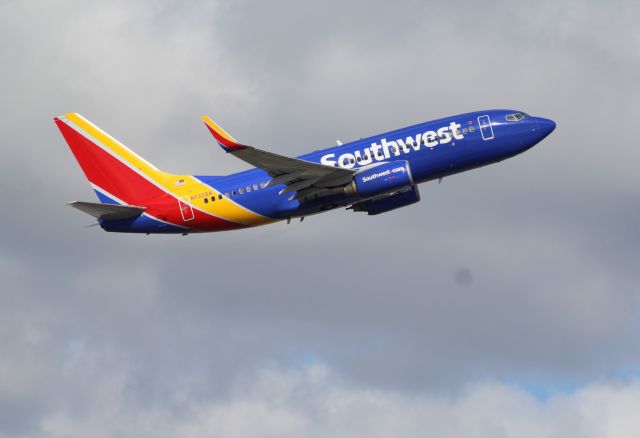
column 185, row 209
column 484, row 123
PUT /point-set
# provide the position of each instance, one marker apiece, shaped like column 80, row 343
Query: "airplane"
column 374, row 175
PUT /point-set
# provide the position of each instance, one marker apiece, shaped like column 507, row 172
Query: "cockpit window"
column 517, row 116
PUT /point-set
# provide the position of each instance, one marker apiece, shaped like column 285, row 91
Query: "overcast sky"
column 505, row 304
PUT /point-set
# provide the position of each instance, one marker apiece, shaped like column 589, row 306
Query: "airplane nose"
column 545, row 126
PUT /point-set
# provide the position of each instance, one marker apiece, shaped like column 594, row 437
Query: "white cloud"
column 314, row 403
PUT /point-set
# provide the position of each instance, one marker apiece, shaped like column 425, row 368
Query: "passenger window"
column 234, row 193
column 255, row 187
column 206, row 200
column 471, row 129
column 263, row 185
column 241, row 191
column 220, row 196
column 213, row 198
column 464, row 130
column 248, row 189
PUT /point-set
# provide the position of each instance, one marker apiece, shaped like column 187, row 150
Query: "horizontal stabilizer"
column 108, row 211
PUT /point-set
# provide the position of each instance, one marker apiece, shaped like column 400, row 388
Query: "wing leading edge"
column 307, row 179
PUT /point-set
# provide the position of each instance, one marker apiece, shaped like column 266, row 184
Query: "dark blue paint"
column 427, row 163
column 405, row 197
column 140, row 224
column 383, row 179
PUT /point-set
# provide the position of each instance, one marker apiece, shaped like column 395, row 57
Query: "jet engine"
column 406, row 196
column 381, row 179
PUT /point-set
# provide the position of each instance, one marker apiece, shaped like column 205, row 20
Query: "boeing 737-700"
column 373, row 175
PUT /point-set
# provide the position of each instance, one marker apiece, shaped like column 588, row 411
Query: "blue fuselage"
column 433, row 149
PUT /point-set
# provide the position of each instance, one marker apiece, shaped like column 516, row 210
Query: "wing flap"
column 108, row 211
column 284, row 178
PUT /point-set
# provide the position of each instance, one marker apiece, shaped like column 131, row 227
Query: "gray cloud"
column 95, row 324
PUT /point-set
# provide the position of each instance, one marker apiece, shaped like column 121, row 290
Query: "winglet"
column 228, row 143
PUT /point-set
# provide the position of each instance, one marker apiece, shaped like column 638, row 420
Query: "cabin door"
column 185, row 209
column 484, row 123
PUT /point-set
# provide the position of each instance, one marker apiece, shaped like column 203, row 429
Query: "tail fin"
column 117, row 174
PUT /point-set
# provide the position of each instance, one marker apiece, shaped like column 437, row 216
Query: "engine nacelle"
column 406, row 196
column 381, row 179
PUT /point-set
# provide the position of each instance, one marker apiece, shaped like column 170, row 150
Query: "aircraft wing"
column 304, row 177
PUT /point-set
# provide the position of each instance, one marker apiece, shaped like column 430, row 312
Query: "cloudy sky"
column 505, row 304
